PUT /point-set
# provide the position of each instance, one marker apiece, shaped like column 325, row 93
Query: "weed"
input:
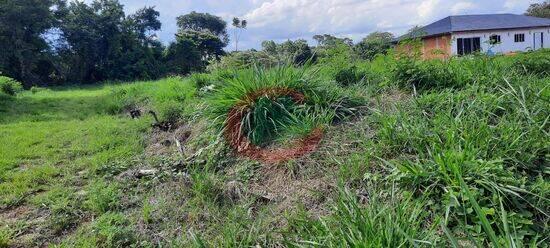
column 383, row 222
column 6, row 235
column 537, row 62
column 102, row 197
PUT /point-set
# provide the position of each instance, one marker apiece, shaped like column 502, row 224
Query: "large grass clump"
column 272, row 102
column 537, row 62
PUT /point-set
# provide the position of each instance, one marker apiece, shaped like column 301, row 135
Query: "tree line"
column 45, row 42
column 48, row 42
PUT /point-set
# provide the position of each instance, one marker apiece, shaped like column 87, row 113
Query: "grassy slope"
column 408, row 171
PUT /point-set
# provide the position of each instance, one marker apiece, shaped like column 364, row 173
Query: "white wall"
column 506, row 38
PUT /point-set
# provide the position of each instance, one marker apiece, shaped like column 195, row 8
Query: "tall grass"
column 168, row 97
column 267, row 116
column 482, row 137
column 396, row 220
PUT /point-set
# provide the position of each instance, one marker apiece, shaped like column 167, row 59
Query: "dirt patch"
column 281, row 187
column 388, row 101
column 167, row 142
column 166, row 218
column 32, row 233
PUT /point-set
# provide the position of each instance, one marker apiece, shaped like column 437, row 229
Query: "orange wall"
column 438, row 47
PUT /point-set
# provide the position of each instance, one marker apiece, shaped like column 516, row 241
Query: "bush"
column 10, row 86
column 534, row 62
column 243, row 60
column 437, row 74
column 348, row 76
column 201, row 80
column 170, row 111
column 265, row 104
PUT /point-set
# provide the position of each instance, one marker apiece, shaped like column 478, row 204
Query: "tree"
column 270, row 47
column 415, row 32
column 103, row 43
column 22, row 46
column 145, row 22
column 375, row 43
column 209, row 45
column 182, row 57
column 239, row 26
column 539, row 9
column 298, row 51
column 204, row 22
column 327, row 40
column 207, row 32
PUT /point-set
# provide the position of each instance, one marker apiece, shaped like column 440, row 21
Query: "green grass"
column 58, row 144
column 395, row 220
column 438, row 154
column 267, row 117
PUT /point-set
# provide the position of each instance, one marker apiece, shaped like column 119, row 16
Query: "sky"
column 281, row 20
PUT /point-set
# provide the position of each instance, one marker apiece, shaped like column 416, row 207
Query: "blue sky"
column 280, row 20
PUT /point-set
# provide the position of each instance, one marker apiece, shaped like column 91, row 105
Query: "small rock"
column 142, row 173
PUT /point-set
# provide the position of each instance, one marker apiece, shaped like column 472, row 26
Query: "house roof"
column 460, row 23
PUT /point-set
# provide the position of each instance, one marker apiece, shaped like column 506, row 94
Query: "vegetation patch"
column 258, row 106
column 10, row 86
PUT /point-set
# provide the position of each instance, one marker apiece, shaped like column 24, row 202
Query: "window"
column 467, row 46
column 494, row 39
column 519, row 37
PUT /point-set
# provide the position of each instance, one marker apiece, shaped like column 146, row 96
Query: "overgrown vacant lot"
column 413, row 153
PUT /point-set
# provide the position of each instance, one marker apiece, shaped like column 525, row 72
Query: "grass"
column 385, row 221
column 443, row 153
column 264, row 99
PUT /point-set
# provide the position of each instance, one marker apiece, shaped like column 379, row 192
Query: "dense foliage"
column 46, row 43
column 9, row 86
column 539, row 9
column 23, row 50
column 58, row 42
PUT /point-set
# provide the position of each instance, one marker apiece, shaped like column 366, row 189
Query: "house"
column 491, row 34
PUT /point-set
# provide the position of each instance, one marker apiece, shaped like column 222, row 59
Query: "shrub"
column 263, row 100
column 436, row 74
column 348, row 76
column 243, row 60
column 201, row 80
column 10, row 86
column 534, row 62
column 170, row 111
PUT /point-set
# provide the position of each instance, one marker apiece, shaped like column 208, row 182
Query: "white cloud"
column 512, row 4
column 461, row 7
column 426, row 8
column 291, row 19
